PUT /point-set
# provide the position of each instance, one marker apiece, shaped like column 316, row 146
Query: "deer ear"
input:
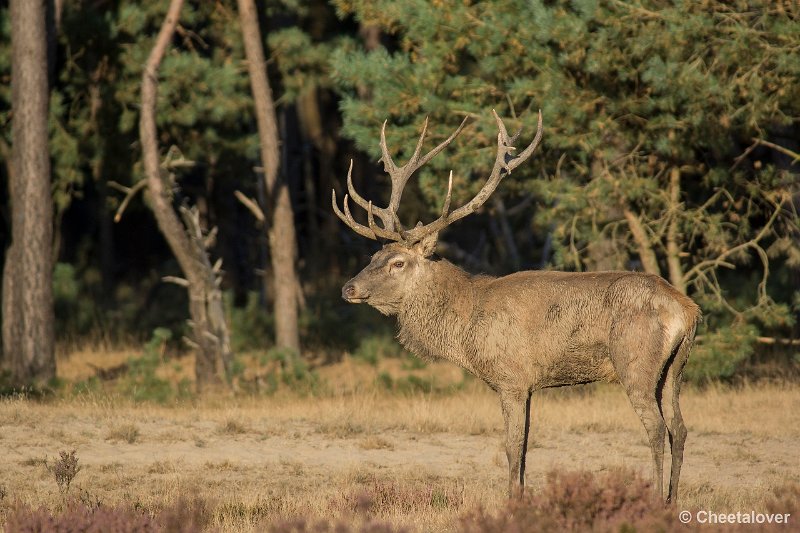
column 427, row 245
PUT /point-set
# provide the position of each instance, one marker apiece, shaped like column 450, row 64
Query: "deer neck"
column 435, row 315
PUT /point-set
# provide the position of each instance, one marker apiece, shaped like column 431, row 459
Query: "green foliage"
column 277, row 369
column 75, row 315
column 630, row 91
column 720, row 352
column 322, row 326
column 644, row 124
column 141, row 383
column 251, row 326
column 375, row 347
column 293, row 371
column 412, row 384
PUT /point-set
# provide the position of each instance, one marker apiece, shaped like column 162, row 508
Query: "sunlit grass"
column 428, row 457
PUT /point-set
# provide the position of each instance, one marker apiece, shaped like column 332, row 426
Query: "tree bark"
column 676, row 275
column 28, row 271
column 210, row 333
column 280, row 218
column 643, row 245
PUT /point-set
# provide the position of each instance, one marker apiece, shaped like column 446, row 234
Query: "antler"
column 392, row 229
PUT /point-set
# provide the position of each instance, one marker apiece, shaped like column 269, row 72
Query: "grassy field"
column 424, row 460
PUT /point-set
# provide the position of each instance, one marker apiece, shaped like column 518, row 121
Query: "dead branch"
column 781, row 342
column 752, row 243
column 251, row 205
column 130, row 192
column 785, row 151
column 176, row 280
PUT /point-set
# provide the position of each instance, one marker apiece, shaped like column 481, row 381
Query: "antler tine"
column 397, row 224
column 419, row 231
column 501, row 169
column 446, row 206
column 347, row 218
column 392, row 228
column 352, row 190
column 388, row 163
column 401, row 175
column 379, row 231
column 433, row 153
column 414, row 158
column 527, row 152
column 502, row 131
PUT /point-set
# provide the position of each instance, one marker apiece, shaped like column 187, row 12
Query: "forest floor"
column 424, row 459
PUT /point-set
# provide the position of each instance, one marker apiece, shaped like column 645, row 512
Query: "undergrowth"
column 614, row 501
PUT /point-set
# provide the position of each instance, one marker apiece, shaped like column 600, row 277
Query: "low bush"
column 141, row 383
column 619, row 500
column 75, row 515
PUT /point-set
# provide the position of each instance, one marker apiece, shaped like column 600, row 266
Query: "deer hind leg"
column 646, row 406
column 516, row 412
column 639, row 374
column 671, row 410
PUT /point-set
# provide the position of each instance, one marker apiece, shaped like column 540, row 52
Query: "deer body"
column 535, row 329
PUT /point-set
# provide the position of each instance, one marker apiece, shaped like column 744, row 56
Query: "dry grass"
column 422, row 460
column 123, row 432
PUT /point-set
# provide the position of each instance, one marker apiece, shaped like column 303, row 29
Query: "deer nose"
column 348, row 291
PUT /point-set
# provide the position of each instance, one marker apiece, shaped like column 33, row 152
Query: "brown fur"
column 538, row 329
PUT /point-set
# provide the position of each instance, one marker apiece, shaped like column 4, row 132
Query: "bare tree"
column 529, row 330
column 186, row 240
column 28, row 270
column 281, row 231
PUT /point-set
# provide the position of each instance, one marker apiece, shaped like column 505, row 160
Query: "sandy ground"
column 730, row 461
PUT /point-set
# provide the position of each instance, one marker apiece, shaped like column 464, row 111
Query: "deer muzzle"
column 351, row 294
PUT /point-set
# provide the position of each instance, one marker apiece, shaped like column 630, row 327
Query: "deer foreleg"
column 516, row 411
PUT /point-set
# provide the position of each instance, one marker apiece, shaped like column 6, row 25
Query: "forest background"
column 671, row 146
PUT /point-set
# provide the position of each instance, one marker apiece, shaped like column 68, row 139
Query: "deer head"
column 384, row 282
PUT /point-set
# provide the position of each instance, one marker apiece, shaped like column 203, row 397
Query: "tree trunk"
column 643, row 245
column 28, row 271
column 187, row 242
column 676, row 275
column 281, row 231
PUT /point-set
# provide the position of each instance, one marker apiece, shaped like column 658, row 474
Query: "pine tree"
column 667, row 129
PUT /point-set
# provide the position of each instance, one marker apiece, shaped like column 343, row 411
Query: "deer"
column 529, row 330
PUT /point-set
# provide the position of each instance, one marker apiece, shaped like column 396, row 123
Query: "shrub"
column 251, row 325
column 74, row 313
column 375, row 347
column 720, row 353
column 141, row 382
column 619, row 500
column 78, row 517
column 183, row 516
column 64, row 470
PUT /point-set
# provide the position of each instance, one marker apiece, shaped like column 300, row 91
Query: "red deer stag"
column 528, row 330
